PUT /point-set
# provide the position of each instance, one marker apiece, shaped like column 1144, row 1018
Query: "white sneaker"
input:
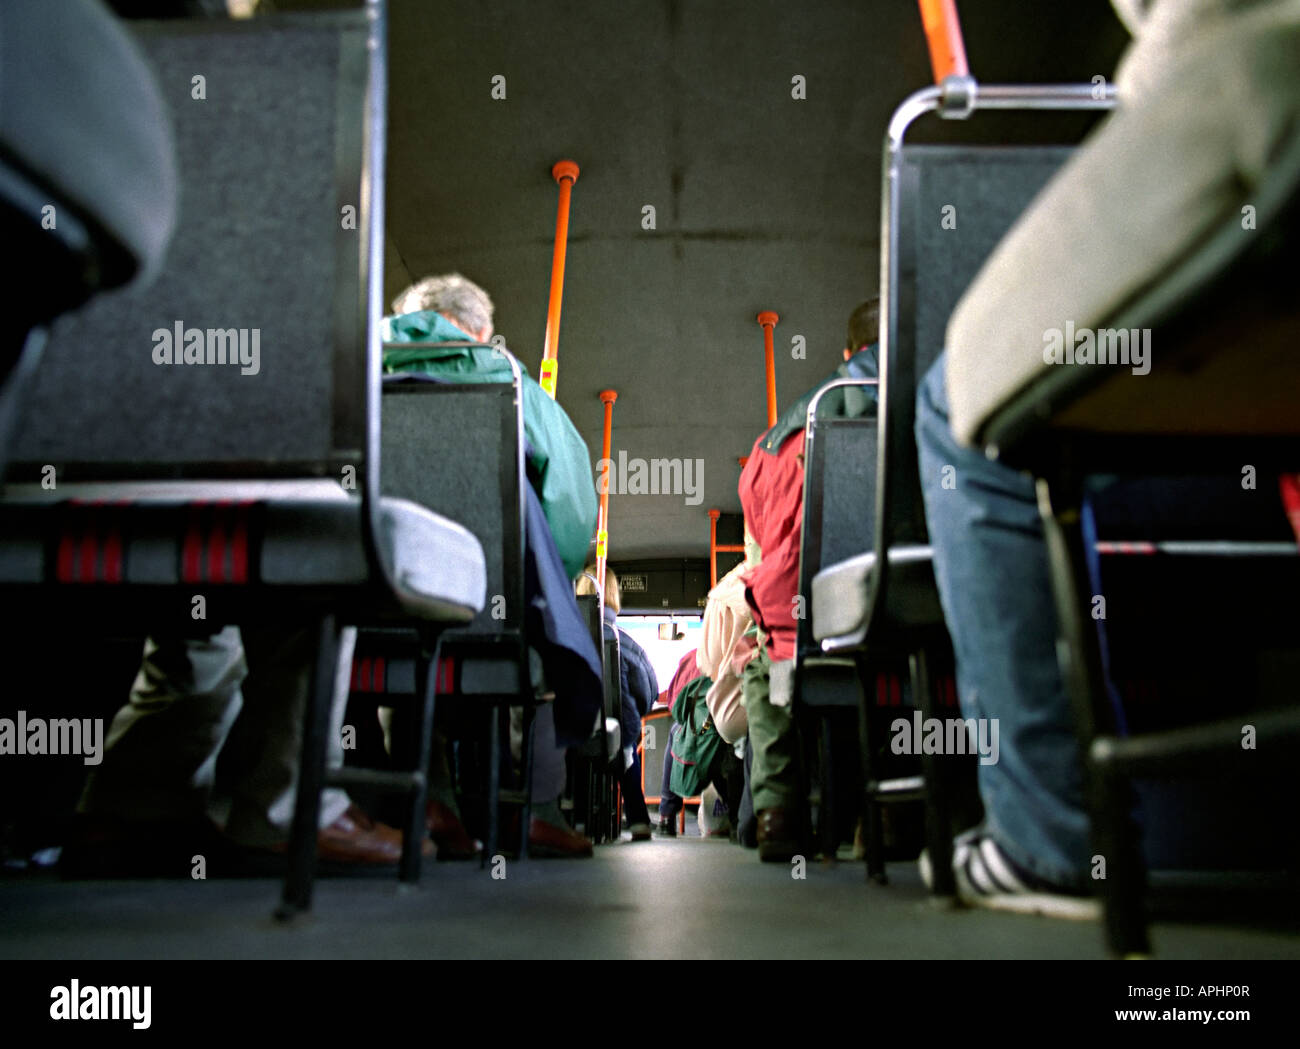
column 987, row 878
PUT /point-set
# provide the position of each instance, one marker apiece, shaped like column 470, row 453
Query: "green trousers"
column 774, row 779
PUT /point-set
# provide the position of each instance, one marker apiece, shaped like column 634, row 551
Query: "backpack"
column 696, row 745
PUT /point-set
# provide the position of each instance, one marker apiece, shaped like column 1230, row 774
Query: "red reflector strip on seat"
column 86, row 572
column 192, row 547
column 239, row 544
column 65, row 560
column 113, row 555
column 217, row 545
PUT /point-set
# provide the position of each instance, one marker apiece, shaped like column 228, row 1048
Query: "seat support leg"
column 296, row 898
column 1110, row 799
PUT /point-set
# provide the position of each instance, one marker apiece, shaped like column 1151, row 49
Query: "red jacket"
column 771, row 494
column 687, row 672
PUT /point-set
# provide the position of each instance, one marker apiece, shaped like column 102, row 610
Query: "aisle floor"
column 684, row 898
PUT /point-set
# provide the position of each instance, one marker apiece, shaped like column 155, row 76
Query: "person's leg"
column 775, row 774
column 729, row 780
column 266, row 742
column 747, row 822
column 160, row 756
column 670, row 804
column 550, row 834
column 990, row 563
column 634, row 806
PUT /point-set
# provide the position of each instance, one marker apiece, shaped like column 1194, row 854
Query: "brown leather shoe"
column 546, row 841
column 778, row 835
column 449, row 834
column 355, row 838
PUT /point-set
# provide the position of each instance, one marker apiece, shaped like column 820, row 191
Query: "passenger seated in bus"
column 1164, row 167
column 670, row 804
column 160, row 759
column 159, row 795
column 452, row 310
column 686, row 671
column 771, row 494
column 638, row 688
column 727, row 620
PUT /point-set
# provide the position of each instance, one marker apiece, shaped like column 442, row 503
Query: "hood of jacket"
column 479, row 362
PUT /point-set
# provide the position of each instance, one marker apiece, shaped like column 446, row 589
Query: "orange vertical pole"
column 943, row 33
column 565, row 172
column 768, row 320
column 607, row 398
column 715, row 549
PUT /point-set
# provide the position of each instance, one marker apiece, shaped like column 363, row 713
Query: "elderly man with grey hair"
column 456, row 312
column 447, row 320
column 1208, row 96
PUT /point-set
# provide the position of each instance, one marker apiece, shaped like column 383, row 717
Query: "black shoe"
column 666, row 828
column 780, row 836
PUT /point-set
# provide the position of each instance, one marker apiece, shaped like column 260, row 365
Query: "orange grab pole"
column 565, row 172
column 715, row 549
column 768, row 320
column 943, row 33
column 607, row 398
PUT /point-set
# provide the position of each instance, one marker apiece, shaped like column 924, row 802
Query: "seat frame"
column 885, row 632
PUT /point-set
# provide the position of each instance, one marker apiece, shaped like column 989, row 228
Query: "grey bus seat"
column 593, row 786
column 839, row 496
column 264, row 270
column 882, row 604
column 839, row 593
column 459, row 448
column 839, row 507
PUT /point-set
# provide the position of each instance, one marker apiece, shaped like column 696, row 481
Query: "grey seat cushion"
column 431, row 558
column 290, row 534
column 841, row 593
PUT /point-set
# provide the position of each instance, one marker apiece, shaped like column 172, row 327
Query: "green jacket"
column 559, row 459
column 697, row 742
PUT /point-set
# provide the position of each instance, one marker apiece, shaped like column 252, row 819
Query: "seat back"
column 252, row 353
column 589, row 606
column 458, row 450
column 839, row 501
column 953, row 205
column 613, row 667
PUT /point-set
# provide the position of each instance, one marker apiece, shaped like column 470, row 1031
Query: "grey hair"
column 452, row 294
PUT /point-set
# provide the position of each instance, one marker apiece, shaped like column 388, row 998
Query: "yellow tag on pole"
column 602, row 542
column 549, row 367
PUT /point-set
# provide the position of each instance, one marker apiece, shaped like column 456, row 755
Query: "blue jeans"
column 670, row 804
column 990, row 562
